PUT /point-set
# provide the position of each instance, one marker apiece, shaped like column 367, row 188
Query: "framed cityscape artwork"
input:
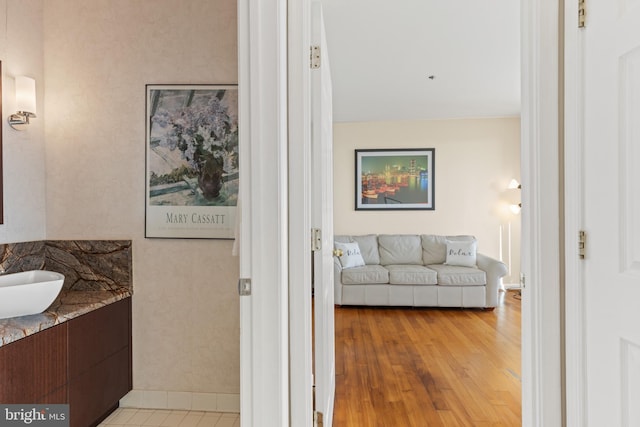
column 395, row 179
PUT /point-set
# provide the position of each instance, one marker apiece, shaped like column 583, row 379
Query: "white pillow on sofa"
column 461, row 253
column 351, row 256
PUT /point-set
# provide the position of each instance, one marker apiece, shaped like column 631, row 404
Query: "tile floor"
column 129, row 417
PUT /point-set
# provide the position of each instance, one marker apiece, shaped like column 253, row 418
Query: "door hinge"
column 316, row 239
column 315, row 57
column 244, row 287
column 522, row 281
column 582, row 244
column 317, row 419
column 582, row 13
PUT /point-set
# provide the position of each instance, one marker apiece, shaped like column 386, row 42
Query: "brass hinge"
column 582, row 244
column 315, row 57
column 316, row 239
column 317, row 419
column 582, row 13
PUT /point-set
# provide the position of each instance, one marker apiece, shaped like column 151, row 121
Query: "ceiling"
column 382, row 53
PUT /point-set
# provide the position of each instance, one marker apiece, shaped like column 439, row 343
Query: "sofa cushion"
column 342, row 238
column 400, row 249
column 368, row 274
column 434, row 248
column 368, row 248
column 351, row 256
column 462, row 254
column 411, row 275
column 451, row 275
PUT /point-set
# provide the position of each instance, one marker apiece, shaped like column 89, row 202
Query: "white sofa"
column 415, row 270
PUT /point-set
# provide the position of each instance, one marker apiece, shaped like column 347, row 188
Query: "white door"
column 322, row 218
column 610, row 50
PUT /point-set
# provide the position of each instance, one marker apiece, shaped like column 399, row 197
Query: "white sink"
column 28, row 292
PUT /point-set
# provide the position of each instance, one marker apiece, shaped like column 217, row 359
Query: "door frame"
column 263, row 26
column 542, row 238
column 263, row 201
column 300, row 254
column 575, row 334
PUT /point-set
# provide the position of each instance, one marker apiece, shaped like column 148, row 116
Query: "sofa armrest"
column 494, row 270
column 337, row 281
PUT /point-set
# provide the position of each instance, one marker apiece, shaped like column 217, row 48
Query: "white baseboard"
column 508, row 286
column 155, row 399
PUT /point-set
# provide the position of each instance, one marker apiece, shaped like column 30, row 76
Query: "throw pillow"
column 461, row 253
column 351, row 256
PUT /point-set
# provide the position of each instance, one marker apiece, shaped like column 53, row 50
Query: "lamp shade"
column 26, row 95
column 513, row 184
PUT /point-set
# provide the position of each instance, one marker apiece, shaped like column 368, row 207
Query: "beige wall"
column 94, row 59
column 474, row 162
column 99, row 55
column 21, row 53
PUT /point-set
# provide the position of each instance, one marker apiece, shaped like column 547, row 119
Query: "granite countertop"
column 69, row 304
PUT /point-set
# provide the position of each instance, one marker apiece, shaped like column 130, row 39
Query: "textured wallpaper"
column 99, row 55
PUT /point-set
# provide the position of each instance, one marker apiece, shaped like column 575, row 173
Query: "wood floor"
column 428, row 367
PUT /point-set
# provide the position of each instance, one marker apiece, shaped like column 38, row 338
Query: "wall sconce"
column 25, row 103
column 515, row 185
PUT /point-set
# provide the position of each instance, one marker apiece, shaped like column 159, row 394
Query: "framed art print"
column 395, row 179
column 192, row 168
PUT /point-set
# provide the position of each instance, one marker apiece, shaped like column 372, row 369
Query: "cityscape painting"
column 395, row 179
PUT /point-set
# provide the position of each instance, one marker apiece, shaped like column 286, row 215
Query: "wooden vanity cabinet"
column 85, row 362
column 99, row 362
column 34, row 369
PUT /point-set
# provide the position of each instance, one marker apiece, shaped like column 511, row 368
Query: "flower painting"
column 192, row 161
column 395, row 179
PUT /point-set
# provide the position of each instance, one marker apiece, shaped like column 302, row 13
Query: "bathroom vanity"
column 78, row 351
column 84, row 361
